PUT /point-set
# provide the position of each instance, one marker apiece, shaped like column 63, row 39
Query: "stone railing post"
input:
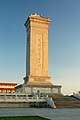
column 36, row 97
column 26, row 97
column 47, row 96
column 16, row 97
column 5, row 96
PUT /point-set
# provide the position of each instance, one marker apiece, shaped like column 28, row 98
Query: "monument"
column 37, row 78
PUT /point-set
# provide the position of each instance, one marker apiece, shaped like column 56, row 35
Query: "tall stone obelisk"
column 37, row 50
column 37, row 78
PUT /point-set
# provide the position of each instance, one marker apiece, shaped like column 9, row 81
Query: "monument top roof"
column 38, row 15
column 37, row 18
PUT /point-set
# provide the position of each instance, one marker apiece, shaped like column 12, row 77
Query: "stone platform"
column 39, row 88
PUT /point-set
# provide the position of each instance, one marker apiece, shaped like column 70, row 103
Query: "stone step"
column 62, row 101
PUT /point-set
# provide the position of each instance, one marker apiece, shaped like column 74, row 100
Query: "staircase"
column 62, row 101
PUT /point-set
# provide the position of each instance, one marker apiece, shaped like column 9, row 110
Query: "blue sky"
column 64, row 40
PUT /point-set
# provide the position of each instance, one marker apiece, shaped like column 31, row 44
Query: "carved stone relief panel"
column 39, row 50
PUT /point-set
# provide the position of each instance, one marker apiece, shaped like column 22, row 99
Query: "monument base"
column 38, row 84
column 37, row 80
column 39, row 88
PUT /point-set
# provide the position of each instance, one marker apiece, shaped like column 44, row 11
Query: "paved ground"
column 53, row 114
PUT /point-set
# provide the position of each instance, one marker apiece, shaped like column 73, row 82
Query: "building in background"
column 7, row 87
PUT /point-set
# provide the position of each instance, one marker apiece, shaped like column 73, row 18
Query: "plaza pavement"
column 52, row 114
